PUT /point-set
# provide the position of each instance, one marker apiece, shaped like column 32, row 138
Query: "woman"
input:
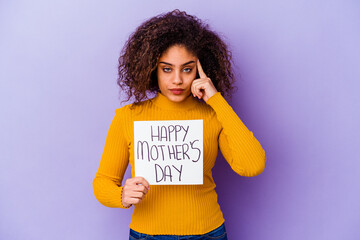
column 187, row 66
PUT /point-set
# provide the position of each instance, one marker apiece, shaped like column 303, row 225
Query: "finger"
column 197, row 91
column 133, row 201
column 140, row 188
column 193, row 88
column 199, row 87
column 139, row 195
column 200, row 70
column 141, row 181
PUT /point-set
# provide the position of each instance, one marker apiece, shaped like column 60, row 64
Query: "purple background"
column 298, row 93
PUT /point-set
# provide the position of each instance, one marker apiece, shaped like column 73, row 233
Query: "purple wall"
column 298, row 93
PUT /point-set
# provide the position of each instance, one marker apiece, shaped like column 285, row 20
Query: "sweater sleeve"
column 114, row 161
column 237, row 144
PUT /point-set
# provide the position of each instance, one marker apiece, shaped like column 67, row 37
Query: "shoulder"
column 203, row 106
column 133, row 107
column 123, row 109
column 205, row 111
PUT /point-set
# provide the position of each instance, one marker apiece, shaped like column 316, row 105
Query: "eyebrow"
column 181, row 65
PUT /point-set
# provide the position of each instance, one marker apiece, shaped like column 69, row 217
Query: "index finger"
column 200, row 70
column 142, row 181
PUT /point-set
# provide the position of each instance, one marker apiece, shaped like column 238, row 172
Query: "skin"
column 177, row 71
column 176, row 75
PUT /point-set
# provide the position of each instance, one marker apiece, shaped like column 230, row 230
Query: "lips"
column 177, row 91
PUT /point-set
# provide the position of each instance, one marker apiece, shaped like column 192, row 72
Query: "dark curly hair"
column 139, row 57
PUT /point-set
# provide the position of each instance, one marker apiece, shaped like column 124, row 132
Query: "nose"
column 177, row 79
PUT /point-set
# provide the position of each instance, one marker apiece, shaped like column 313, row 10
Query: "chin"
column 177, row 98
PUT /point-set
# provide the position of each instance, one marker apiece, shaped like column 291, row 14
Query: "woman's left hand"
column 202, row 88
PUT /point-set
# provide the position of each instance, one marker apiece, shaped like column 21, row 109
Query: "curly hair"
column 139, row 57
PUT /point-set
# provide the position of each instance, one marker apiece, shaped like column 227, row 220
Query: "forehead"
column 177, row 54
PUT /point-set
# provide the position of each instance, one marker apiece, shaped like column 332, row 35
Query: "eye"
column 167, row 69
column 187, row 70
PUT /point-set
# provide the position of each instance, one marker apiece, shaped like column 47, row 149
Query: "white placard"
column 169, row 152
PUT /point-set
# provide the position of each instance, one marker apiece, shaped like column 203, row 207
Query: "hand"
column 202, row 88
column 134, row 191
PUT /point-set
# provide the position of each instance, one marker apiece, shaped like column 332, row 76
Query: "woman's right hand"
column 134, row 191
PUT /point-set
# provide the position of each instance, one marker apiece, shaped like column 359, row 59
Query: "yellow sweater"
column 177, row 209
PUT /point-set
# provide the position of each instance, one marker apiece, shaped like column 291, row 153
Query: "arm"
column 238, row 145
column 114, row 161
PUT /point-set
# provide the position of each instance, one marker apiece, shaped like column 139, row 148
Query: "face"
column 176, row 72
